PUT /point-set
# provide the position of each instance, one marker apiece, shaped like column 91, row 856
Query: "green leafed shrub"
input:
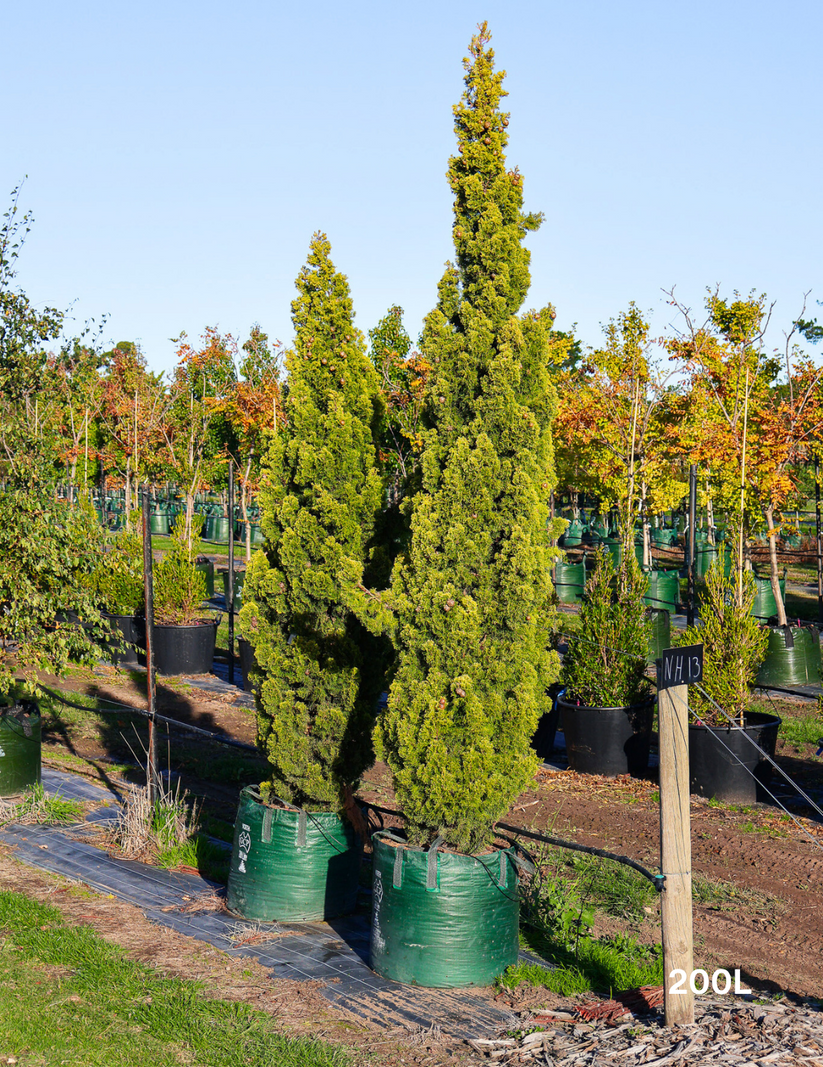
column 606, row 662
column 734, row 642
column 118, row 577
column 49, row 551
column 179, row 588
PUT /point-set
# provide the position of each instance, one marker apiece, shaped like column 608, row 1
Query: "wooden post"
column 676, row 852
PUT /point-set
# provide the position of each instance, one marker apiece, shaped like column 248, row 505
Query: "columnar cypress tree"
column 320, row 494
column 472, row 598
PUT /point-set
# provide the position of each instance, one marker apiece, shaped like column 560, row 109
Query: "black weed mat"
column 334, row 953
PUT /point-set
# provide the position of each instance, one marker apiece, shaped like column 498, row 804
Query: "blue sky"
column 180, row 155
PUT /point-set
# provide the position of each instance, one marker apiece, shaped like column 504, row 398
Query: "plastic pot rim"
column 767, row 717
column 562, row 702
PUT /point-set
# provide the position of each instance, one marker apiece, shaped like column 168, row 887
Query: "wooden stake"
column 676, row 853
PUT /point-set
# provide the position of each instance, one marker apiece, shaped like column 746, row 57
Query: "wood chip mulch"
column 630, row 1032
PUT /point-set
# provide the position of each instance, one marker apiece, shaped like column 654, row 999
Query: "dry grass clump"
column 35, row 807
column 144, row 830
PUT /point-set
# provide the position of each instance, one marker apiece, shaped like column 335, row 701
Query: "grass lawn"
column 69, row 997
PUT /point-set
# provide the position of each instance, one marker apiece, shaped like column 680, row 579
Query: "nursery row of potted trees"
column 444, row 597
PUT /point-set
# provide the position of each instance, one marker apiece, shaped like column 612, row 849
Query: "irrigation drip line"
column 657, row 880
column 229, row 741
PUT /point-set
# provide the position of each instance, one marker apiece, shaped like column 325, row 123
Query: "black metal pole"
column 230, row 582
column 819, row 541
column 692, row 541
column 152, row 774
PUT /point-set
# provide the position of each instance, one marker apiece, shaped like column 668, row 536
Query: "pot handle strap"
column 431, row 874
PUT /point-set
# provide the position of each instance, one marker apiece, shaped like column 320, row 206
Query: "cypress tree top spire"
column 472, row 597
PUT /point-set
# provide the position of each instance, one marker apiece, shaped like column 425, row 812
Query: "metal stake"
column 819, row 541
column 230, row 582
column 691, row 552
column 152, row 774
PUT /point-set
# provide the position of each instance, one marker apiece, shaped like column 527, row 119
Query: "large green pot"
column 792, row 661
column 614, row 547
column 663, row 591
column 289, row 865
column 764, row 605
column 442, row 919
column 663, row 537
column 19, row 747
column 206, row 568
column 660, row 637
column 239, row 578
column 570, row 582
column 216, row 529
column 705, row 555
column 574, row 534
column 159, row 523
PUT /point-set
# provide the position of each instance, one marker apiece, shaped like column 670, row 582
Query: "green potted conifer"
column 723, row 763
column 184, row 634
column 607, row 703
column 471, row 595
column 316, row 675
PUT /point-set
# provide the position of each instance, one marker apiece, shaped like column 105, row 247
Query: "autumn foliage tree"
column 471, row 597
column 755, row 414
column 254, row 409
column 320, row 494
column 615, row 418
column 195, row 423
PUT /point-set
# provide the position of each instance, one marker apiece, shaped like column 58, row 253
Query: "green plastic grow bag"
column 206, row 568
column 159, row 523
column 19, row 748
column 574, row 534
column 791, row 661
column 290, row 865
column 442, row 919
column 661, row 631
column 663, row 591
column 764, row 605
column 570, row 582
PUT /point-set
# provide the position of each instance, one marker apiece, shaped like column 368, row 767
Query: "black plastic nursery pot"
column 792, row 657
column 442, row 919
column 290, row 865
column 722, row 759
column 132, row 630
column 608, row 741
column 19, row 747
column 570, row 582
column 184, row 649
column 247, row 661
column 543, row 739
